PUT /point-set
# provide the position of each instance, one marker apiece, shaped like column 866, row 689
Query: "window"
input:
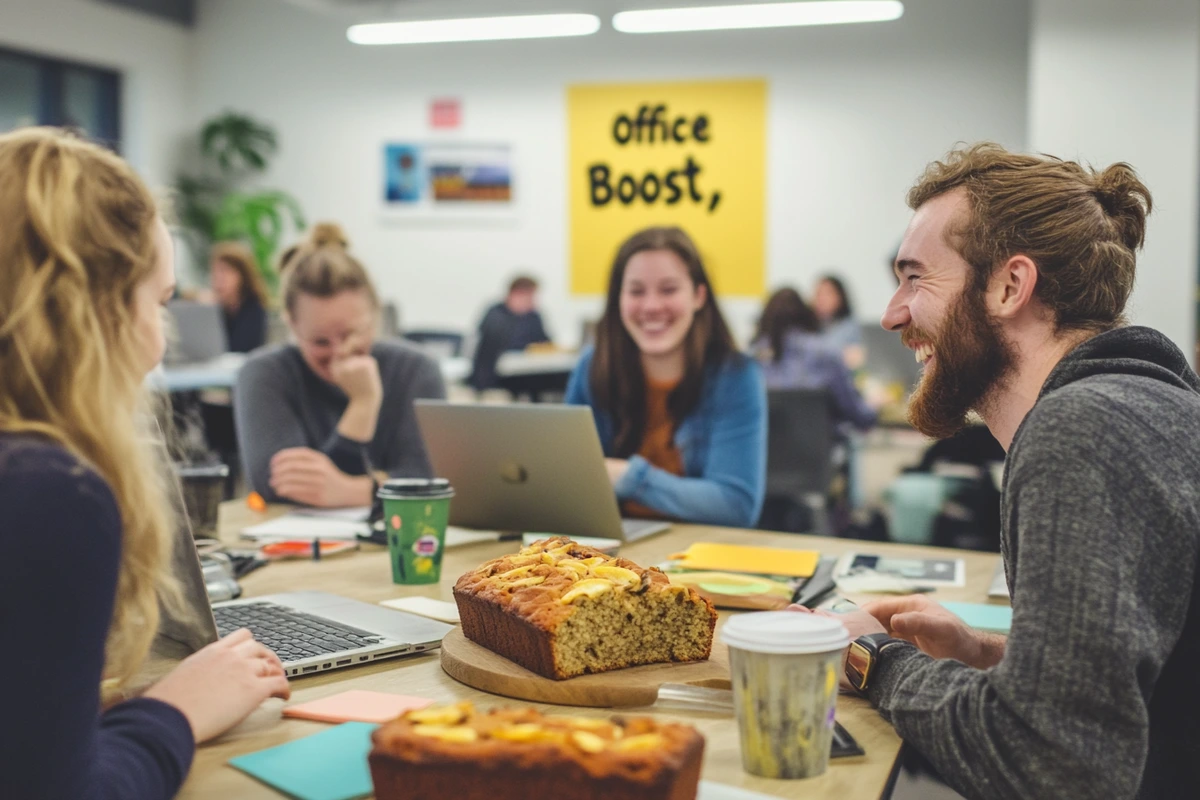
column 35, row 90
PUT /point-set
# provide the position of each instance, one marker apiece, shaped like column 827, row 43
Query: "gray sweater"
column 281, row 403
column 1098, row 693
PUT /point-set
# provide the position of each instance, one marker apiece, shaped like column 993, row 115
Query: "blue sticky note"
column 330, row 765
column 982, row 616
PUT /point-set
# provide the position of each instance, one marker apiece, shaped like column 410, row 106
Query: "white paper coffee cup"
column 784, row 667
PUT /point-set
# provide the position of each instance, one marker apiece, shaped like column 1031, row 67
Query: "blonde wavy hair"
column 76, row 239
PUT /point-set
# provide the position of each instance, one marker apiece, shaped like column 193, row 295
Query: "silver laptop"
column 200, row 332
column 534, row 468
column 309, row 631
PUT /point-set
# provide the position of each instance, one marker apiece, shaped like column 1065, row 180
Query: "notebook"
column 330, row 765
column 303, row 526
column 982, row 616
column 751, row 560
column 357, row 706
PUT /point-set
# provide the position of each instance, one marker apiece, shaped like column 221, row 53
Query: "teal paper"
column 331, row 765
column 982, row 616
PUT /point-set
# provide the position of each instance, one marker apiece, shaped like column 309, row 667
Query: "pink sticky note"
column 357, row 706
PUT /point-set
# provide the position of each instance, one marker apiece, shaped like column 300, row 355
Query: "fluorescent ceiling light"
column 762, row 15
column 478, row 29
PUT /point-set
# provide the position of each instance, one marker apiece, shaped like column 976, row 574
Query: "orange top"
column 658, row 446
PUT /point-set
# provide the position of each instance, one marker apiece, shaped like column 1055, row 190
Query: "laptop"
column 309, row 631
column 525, row 467
column 200, row 332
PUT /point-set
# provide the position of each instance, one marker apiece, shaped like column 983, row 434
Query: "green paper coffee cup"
column 415, row 511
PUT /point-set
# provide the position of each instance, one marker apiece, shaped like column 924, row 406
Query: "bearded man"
column 1014, row 274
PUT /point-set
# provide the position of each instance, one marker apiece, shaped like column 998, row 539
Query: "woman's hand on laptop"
column 218, row 686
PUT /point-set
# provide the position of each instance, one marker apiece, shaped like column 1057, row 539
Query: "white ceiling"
column 381, row 10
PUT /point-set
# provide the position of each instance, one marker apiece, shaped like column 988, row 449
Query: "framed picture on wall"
column 448, row 180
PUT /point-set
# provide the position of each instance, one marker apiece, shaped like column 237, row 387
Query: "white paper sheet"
column 305, row 527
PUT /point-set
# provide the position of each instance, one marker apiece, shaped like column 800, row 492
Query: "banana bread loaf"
column 510, row 754
column 560, row 609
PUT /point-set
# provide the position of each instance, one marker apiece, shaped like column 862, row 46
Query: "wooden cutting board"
column 480, row 668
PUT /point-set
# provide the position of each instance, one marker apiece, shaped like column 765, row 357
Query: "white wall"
column 153, row 55
column 855, row 113
column 1120, row 82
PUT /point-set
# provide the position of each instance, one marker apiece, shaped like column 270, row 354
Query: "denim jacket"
column 723, row 443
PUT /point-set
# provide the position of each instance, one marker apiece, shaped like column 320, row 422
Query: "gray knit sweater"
column 1098, row 693
column 281, row 403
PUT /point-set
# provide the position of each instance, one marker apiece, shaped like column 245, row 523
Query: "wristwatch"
column 863, row 659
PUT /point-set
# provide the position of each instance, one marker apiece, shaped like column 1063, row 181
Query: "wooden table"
column 366, row 576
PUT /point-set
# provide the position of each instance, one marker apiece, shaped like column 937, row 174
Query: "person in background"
column 239, row 290
column 87, row 265
column 682, row 415
column 838, row 325
column 514, row 324
column 1015, row 272
column 322, row 419
column 794, row 355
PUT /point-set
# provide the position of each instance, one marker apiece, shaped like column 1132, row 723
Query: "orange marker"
column 255, row 502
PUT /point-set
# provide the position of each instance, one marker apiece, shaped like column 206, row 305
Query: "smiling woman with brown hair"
column 681, row 414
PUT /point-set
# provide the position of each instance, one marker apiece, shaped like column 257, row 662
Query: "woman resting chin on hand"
column 322, row 418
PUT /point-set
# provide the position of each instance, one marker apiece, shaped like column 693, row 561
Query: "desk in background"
column 219, row 373
column 222, row 372
column 366, row 576
column 535, row 373
column 455, row 369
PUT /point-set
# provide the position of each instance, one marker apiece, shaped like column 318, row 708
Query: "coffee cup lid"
column 785, row 633
column 424, row 488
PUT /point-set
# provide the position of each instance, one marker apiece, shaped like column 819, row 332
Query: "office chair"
column 801, row 443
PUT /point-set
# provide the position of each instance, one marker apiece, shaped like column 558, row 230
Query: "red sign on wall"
column 445, row 112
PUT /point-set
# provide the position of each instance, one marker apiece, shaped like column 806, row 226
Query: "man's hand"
column 936, row 631
column 308, row 476
column 858, row 623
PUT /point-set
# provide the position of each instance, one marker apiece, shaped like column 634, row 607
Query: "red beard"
column 971, row 359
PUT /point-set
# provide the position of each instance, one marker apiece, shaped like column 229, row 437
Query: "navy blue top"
column 501, row 331
column 60, row 552
column 246, row 328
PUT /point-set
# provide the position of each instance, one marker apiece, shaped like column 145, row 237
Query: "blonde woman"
column 86, row 263
column 323, row 417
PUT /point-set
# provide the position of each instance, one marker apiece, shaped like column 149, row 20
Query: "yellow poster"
column 686, row 154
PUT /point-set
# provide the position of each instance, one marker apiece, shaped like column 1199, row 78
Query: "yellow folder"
column 754, row 560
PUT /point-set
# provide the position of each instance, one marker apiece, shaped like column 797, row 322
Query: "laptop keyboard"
column 293, row 635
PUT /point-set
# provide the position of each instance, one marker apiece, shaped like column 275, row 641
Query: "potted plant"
column 218, row 203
